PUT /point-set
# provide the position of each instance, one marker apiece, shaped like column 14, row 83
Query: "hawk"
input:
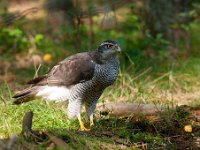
column 80, row 79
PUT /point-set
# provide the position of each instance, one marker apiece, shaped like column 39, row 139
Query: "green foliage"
column 146, row 137
column 39, row 38
column 13, row 40
column 132, row 33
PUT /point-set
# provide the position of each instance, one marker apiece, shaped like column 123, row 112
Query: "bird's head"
column 109, row 49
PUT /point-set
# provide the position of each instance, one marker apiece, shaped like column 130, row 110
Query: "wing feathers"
column 55, row 85
column 72, row 72
column 75, row 69
column 37, row 80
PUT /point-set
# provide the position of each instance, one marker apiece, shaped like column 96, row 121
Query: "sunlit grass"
column 156, row 86
column 46, row 116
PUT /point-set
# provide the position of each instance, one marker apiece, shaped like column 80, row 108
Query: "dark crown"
column 109, row 41
column 101, row 48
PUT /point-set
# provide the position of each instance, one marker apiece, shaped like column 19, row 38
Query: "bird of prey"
column 80, row 79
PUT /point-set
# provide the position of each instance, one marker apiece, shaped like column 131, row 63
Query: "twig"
column 59, row 142
column 7, row 20
column 27, row 122
column 27, row 128
column 36, row 70
column 159, row 78
column 143, row 73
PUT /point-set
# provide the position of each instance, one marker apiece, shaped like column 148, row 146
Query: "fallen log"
column 120, row 109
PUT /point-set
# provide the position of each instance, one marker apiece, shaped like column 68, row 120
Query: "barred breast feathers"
column 106, row 74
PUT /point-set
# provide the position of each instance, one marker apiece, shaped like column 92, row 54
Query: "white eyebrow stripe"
column 106, row 43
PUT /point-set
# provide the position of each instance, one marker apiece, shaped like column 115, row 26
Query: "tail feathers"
column 25, row 95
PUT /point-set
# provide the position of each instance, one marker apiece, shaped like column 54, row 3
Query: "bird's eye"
column 109, row 46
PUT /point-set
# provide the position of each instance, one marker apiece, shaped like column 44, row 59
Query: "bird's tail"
column 25, row 95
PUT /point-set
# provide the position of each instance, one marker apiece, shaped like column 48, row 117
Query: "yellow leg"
column 91, row 121
column 82, row 127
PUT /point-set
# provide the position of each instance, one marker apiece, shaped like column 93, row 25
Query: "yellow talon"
column 91, row 122
column 82, row 127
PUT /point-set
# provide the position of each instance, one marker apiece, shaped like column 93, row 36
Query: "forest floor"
column 177, row 127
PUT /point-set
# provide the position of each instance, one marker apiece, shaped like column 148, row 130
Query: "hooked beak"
column 118, row 49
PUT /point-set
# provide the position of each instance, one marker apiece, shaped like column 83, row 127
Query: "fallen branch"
column 120, row 109
column 27, row 122
column 57, row 141
column 27, row 131
column 37, row 136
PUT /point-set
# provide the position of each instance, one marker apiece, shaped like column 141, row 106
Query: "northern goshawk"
column 80, row 79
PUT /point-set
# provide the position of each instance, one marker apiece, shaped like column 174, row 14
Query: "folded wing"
column 73, row 70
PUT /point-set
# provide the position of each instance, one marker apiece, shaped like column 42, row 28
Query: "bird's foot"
column 91, row 123
column 83, row 128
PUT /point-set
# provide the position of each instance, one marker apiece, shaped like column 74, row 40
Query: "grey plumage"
column 80, row 79
column 90, row 91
